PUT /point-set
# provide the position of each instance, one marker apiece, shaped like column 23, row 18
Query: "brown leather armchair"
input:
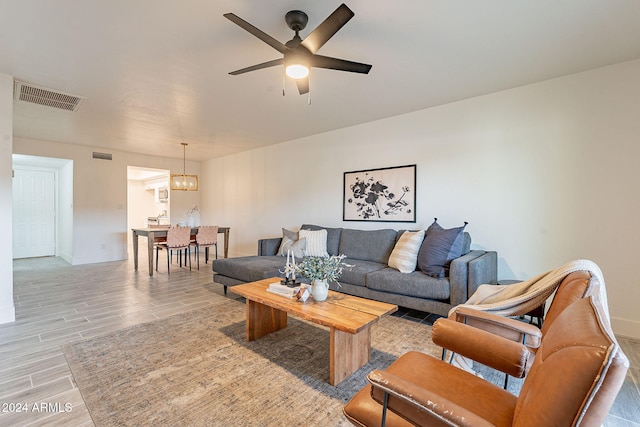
column 575, row 377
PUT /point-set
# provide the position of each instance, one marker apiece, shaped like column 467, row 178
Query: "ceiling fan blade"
column 258, row 66
column 256, row 32
column 323, row 32
column 303, row 85
column 320, row 61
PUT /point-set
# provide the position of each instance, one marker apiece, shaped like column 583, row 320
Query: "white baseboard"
column 626, row 328
column 67, row 257
column 80, row 260
column 7, row 314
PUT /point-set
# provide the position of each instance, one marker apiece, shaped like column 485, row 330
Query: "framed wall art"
column 383, row 195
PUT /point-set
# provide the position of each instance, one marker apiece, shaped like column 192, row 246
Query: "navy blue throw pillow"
column 439, row 247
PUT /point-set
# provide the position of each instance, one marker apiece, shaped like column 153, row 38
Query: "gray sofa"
column 370, row 277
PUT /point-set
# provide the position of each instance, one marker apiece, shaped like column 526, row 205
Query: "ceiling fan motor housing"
column 296, row 20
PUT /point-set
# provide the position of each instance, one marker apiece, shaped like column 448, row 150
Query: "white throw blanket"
column 520, row 298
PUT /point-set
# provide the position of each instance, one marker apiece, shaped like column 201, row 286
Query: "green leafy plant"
column 322, row 268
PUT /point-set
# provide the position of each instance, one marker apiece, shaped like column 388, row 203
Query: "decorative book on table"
column 283, row 290
column 301, row 292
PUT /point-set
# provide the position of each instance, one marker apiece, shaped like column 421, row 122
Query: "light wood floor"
column 57, row 303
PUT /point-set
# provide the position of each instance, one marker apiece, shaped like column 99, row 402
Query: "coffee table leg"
column 262, row 320
column 348, row 353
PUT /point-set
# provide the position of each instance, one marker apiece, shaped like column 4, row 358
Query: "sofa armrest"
column 269, row 247
column 508, row 328
column 425, row 401
column 469, row 271
column 483, row 270
column 489, row 349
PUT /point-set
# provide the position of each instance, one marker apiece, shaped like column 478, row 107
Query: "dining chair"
column 158, row 239
column 206, row 237
column 178, row 239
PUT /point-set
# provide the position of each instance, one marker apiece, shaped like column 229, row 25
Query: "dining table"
column 151, row 233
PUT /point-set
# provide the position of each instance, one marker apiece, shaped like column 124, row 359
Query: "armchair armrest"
column 425, row 401
column 505, row 327
column 485, row 347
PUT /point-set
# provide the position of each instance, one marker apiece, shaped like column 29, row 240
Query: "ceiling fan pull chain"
column 283, row 82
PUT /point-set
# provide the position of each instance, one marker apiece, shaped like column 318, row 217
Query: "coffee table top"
column 340, row 311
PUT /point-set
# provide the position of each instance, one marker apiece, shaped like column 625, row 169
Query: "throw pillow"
column 439, row 247
column 316, row 242
column 292, row 242
column 404, row 256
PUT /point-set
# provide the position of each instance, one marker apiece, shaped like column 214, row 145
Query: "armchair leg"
column 385, row 403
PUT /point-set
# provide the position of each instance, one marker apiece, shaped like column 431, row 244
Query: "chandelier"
column 184, row 182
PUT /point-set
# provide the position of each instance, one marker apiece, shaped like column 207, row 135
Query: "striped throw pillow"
column 404, row 256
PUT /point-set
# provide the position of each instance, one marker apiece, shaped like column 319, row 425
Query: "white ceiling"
column 155, row 72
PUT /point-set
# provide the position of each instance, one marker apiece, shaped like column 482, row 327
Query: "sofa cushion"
column 291, row 241
column 250, row 268
column 404, row 256
column 368, row 245
column 316, row 242
column 333, row 237
column 439, row 247
column 356, row 275
column 414, row 284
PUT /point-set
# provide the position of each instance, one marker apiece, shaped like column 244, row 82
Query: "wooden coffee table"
column 349, row 320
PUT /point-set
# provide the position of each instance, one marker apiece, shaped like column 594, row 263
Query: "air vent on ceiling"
column 49, row 97
column 102, row 156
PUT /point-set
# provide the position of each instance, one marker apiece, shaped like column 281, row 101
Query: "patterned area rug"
column 197, row 369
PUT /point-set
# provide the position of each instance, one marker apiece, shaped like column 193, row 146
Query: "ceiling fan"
column 300, row 55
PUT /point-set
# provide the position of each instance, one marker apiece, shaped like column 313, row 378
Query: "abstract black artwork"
column 385, row 195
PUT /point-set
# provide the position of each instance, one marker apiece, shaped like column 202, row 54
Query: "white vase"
column 319, row 290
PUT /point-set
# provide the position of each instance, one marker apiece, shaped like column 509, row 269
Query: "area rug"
column 196, row 369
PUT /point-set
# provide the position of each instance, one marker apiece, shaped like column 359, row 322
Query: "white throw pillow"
column 316, row 242
column 404, row 256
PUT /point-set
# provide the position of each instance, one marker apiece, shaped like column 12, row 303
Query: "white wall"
column 100, row 195
column 7, row 309
column 64, row 242
column 544, row 173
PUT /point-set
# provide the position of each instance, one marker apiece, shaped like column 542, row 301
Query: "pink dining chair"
column 178, row 238
column 206, row 237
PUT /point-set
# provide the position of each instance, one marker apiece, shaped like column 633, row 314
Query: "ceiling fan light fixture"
column 297, row 71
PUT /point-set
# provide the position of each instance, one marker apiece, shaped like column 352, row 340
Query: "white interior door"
column 33, row 213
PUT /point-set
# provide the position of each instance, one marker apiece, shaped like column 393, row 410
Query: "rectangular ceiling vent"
column 48, row 97
column 102, row 156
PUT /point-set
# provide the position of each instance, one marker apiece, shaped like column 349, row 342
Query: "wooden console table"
column 152, row 233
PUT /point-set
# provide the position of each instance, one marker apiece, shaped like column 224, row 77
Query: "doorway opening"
column 148, row 198
column 42, row 199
